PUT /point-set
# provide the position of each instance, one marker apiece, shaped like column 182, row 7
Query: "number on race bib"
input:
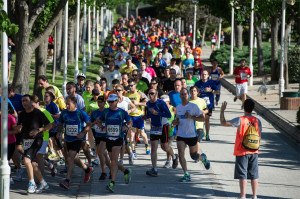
column 72, row 130
column 207, row 101
column 156, row 130
column 113, row 130
column 214, row 77
column 243, row 76
column 27, row 143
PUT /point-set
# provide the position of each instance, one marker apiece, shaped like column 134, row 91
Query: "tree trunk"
column 136, row 11
column 58, row 41
column 239, row 36
column 81, row 33
column 286, row 65
column 204, row 31
column 260, row 56
column 71, row 27
column 274, row 48
column 40, row 65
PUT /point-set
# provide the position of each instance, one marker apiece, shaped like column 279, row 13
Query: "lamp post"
column 76, row 71
column 89, row 35
column 84, row 38
column 97, row 30
column 93, row 29
column 281, row 79
column 4, row 167
column 127, row 9
column 195, row 16
column 65, row 51
column 102, row 25
column 251, row 43
column 219, row 36
column 231, row 42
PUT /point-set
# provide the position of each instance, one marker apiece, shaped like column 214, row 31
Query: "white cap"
column 166, row 98
column 112, row 97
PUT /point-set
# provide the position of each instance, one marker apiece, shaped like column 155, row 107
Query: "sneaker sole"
column 151, row 175
column 109, row 189
column 64, row 186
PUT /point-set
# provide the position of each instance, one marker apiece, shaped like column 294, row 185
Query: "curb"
column 273, row 117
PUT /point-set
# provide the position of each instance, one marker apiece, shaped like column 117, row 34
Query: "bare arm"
column 222, row 116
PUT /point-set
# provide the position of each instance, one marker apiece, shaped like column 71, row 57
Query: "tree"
column 26, row 14
column 6, row 25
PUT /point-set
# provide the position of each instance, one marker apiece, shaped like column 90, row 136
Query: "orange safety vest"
column 239, row 150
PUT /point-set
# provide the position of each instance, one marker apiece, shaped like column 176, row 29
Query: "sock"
column 87, row 170
column 155, row 169
column 67, row 180
column 146, row 145
column 43, row 182
column 32, row 181
column 52, row 151
column 51, row 165
column 186, row 173
column 126, row 171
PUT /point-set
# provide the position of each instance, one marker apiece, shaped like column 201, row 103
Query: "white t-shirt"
column 147, row 75
column 120, row 63
column 187, row 127
column 177, row 69
column 167, row 57
column 125, row 54
column 124, row 104
column 110, row 76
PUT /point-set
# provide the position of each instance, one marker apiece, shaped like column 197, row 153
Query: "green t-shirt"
column 51, row 120
column 198, row 34
column 191, row 83
column 92, row 106
column 155, row 51
column 87, row 97
column 202, row 106
column 170, row 120
column 141, row 86
column 184, row 57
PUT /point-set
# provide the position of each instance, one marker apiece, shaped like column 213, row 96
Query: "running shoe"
column 234, row 99
column 19, row 175
column 65, row 184
column 134, row 156
column 121, row 161
column 53, row 170
column 175, row 162
column 127, row 176
column 43, row 186
column 207, row 137
column 88, row 175
column 31, row 188
column 52, row 156
column 167, row 164
column 217, row 103
column 110, row 187
column 148, row 150
column 205, row 161
column 131, row 161
column 96, row 162
column 103, row 176
column 61, row 161
column 185, row 178
column 152, row 173
column 93, row 153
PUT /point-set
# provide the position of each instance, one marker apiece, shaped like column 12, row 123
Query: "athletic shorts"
column 19, row 139
column 164, row 135
column 111, row 143
column 189, row 141
column 178, row 60
column 43, row 148
column 137, row 122
column 209, row 112
column 241, row 88
column 200, row 134
column 99, row 139
column 246, row 167
column 213, row 43
column 9, row 57
column 74, row 146
column 10, row 150
column 34, row 148
column 50, row 46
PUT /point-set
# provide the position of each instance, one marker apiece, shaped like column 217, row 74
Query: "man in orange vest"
column 246, row 163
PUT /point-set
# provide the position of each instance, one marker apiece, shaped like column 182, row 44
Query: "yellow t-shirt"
column 60, row 103
column 51, row 120
column 57, row 92
column 124, row 69
column 176, row 53
column 201, row 105
column 136, row 97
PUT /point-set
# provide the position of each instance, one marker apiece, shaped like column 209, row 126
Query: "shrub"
column 294, row 64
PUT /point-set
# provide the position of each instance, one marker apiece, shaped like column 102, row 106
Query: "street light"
column 231, row 42
column 76, row 71
column 84, row 38
column 195, row 15
column 127, row 8
column 65, row 51
column 251, row 43
column 219, row 36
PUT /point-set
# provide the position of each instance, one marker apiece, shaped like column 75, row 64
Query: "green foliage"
column 5, row 24
column 223, row 56
column 294, row 63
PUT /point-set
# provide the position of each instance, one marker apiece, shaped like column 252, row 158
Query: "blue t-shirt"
column 114, row 121
column 17, row 102
column 174, row 98
column 215, row 74
column 53, row 109
column 207, row 96
column 97, row 114
column 73, row 123
column 8, row 102
column 162, row 62
column 163, row 111
column 188, row 62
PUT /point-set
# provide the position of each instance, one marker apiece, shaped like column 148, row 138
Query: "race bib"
column 207, row 101
column 113, row 130
column 197, row 76
column 98, row 129
column 244, row 76
column 213, row 40
column 214, row 77
column 72, row 130
column 156, row 130
column 27, row 143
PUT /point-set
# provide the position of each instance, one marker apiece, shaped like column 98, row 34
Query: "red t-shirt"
column 243, row 72
column 10, row 122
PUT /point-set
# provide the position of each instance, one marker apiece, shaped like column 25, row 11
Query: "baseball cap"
column 165, row 98
column 112, row 97
column 81, row 75
column 189, row 70
column 128, row 57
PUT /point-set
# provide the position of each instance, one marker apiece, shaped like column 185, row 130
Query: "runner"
column 207, row 88
column 246, row 162
column 216, row 74
column 72, row 119
column 114, row 117
column 31, row 123
column 186, row 115
column 139, row 100
column 158, row 111
column 213, row 40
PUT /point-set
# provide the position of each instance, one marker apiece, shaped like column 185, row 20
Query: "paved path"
column 279, row 170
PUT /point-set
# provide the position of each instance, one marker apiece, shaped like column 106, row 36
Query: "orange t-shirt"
column 239, row 150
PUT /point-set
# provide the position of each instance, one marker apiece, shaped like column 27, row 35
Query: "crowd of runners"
column 149, row 74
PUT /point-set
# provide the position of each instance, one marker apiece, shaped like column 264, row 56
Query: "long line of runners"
column 164, row 84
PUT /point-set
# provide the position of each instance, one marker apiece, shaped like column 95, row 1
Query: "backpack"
column 251, row 138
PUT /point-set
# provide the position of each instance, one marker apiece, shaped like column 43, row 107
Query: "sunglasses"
column 134, row 75
column 101, row 101
column 110, row 102
column 151, row 93
column 119, row 90
column 153, row 83
column 130, row 85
